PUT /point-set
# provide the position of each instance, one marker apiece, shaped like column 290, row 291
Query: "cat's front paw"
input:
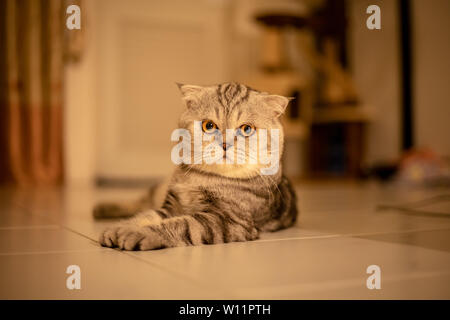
column 130, row 237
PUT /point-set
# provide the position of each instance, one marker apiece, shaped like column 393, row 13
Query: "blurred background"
column 97, row 105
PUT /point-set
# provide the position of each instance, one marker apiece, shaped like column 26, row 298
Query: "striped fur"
column 209, row 204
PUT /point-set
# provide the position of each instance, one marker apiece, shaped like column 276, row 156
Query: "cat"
column 211, row 203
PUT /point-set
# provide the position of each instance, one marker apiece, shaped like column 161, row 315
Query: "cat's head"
column 227, row 119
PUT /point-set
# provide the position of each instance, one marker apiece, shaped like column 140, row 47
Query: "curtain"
column 35, row 37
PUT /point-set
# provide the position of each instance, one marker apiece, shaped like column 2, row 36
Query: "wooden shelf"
column 342, row 113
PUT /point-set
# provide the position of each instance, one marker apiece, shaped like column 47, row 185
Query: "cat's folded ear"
column 276, row 103
column 190, row 93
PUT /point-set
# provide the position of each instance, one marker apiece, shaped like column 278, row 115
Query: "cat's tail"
column 151, row 200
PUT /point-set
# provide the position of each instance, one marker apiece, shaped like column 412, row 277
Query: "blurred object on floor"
column 423, row 167
column 416, row 168
column 381, row 171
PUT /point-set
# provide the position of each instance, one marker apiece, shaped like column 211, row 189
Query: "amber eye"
column 247, row 130
column 208, row 126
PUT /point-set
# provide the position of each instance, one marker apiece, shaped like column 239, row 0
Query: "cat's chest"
column 223, row 198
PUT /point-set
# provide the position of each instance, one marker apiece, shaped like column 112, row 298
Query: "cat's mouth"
column 229, row 170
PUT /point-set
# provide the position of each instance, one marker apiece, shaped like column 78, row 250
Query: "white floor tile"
column 339, row 234
column 283, row 269
column 107, row 274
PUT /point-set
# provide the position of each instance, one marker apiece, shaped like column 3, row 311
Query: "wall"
column 80, row 108
column 431, row 44
column 374, row 58
column 122, row 102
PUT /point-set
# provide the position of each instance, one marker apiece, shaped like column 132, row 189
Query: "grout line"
column 338, row 235
column 301, row 238
column 398, row 232
column 28, row 210
column 79, row 233
column 48, row 252
column 48, row 226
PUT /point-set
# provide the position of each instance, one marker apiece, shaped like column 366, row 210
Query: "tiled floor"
column 339, row 234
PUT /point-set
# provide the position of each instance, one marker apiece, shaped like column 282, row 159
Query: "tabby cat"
column 209, row 203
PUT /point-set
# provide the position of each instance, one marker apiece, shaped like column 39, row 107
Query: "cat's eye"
column 246, row 130
column 208, row 126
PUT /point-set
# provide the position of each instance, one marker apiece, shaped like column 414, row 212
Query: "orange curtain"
column 32, row 124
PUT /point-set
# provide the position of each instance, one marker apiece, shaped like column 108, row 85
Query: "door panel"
column 144, row 47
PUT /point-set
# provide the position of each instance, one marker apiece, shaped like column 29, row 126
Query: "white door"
column 142, row 49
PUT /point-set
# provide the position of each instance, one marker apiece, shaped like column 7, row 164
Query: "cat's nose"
column 225, row 146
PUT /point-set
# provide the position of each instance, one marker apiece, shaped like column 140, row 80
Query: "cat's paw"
column 130, row 237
